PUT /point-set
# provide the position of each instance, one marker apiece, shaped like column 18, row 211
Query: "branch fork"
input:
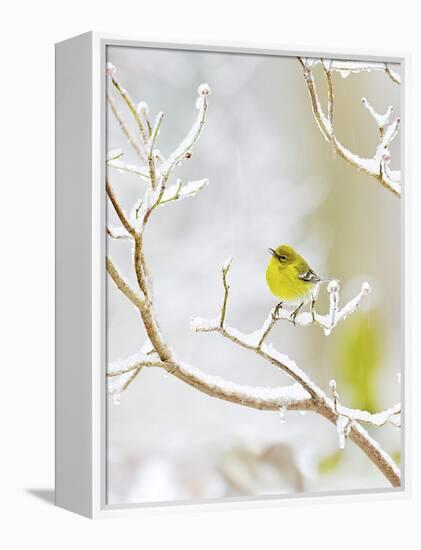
column 378, row 165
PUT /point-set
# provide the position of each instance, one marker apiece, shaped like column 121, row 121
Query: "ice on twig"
column 192, row 136
column 390, row 132
column 128, row 362
column 342, row 424
column 142, row 108
column 115, row 384
column 386, row 156
column 391, row 416
column 333, row 286
column 227, row 264
column 282, row 413
column 353, row 304
column 204, row 90
column 122, row 166
column 179, row 190
column 366, row 289
column 155, row 132
column 381, row 120
column 111, row 69
column 347, row 67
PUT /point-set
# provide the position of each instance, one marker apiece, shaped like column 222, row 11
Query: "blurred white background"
column 273, row 180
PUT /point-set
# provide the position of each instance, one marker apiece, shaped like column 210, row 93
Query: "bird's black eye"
column 282, row 258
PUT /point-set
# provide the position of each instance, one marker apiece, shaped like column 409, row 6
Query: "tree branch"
column 377, row 166
column 125, row 129
column 123, row 285
column 127, row 99
column 119, row 210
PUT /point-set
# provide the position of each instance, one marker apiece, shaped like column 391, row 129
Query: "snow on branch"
column 378, row 165
column 121, row 166
column 181, row 190
column 118, row 233
column 328, row 321
column 157, row 170
column 346, row 416
column 183, row 150
column 345, row 68
column 291, row 397
column 111, row 71
column 381, row 120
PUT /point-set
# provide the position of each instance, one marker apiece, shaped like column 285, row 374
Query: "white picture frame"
column 80, row 272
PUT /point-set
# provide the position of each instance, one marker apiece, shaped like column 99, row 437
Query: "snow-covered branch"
column 327, row 322
column 291, row 397
column 345, row 68
column 184, row 149
column 156, row 170
column 137, row 146
column 117, row 233
column 346, row 419
column 378, row 165
column 121, row 166
column 303, row 394
column 181, row 190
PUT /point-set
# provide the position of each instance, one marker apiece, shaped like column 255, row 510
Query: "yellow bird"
column 290, row 278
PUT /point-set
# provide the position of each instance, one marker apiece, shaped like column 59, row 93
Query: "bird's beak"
column 272, row 252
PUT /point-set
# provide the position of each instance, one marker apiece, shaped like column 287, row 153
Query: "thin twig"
column 123, row 285
column 225, row 270
column 115, row 234
column 136, row 366
column 395, row 77
column 267, row 327
column 125, row 129
column 132, row 107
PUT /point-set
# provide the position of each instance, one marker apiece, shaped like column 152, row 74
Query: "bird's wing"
column 309, row 276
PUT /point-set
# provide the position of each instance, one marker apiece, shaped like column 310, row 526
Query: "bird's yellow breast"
column 284, row 283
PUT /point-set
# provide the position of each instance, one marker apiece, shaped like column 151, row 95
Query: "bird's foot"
column 294, row 314
column 275, row 313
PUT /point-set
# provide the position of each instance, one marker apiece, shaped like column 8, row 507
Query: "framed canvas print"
column 230, row 274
